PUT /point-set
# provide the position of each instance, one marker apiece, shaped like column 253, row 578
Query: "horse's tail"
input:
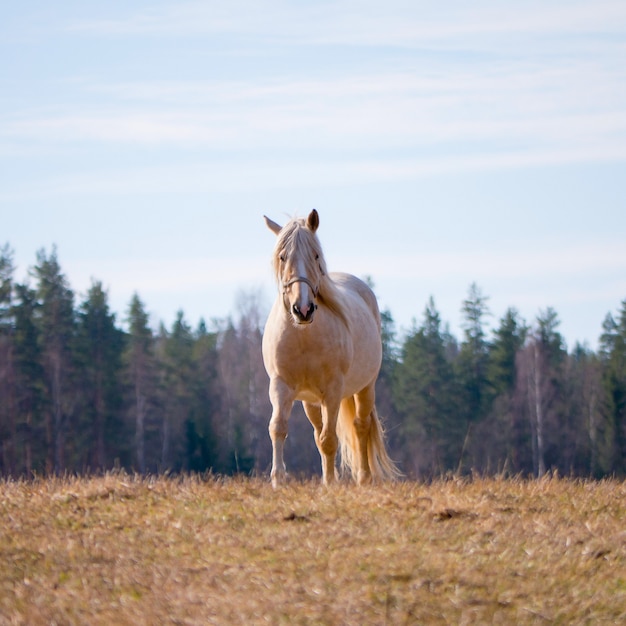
column 381, row 466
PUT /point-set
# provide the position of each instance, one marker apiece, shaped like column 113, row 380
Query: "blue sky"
column 442, row 144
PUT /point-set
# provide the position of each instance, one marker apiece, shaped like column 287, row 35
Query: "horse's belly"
column 360, row 375
column 366, row 359
column 304, row 395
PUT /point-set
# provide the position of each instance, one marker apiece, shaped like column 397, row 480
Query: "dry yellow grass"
column 126, row 550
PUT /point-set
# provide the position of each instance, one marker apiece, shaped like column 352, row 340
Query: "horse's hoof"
column 364, row 478
column 279, row 479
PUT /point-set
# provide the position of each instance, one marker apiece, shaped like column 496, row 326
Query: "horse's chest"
column 314, row 365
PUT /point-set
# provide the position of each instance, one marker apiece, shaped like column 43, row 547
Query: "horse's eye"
column 317, row 256
column 282, row 258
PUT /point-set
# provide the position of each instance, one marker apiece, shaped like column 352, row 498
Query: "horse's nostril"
column 305, row 314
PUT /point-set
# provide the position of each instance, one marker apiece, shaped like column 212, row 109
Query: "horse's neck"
column 333, row 302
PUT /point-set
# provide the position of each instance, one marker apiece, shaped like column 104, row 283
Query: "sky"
column 443, row 144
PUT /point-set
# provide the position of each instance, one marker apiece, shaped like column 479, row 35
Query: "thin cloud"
column 592, row 258
column 563, row 106
column 273, row 173
column 350, row 23
column 162, row 276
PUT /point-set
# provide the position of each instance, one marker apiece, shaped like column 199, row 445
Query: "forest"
column 82, row 392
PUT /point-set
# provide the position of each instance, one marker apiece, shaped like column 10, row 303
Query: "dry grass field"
column 126, row 550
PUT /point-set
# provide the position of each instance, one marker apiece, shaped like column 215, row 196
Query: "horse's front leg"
column 282, row 398
column 314, row 413
column 327, row 440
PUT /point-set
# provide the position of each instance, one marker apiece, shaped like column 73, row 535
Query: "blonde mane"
column 296, row 238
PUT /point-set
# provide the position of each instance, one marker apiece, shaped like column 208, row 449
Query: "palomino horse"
column 322, row 345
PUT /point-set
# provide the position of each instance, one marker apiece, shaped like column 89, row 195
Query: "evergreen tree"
column 509, row 338
column 385, row 382
column 554, row 352
column 6, row 288
column 474, row 356
column 99, row 356
column 140, row 374
column 389, row 343
column 56, row 323
column 471, row 365
column 584, row 430
column 425, row 392
column 613, row 355
column 503, row 436
column 177, row 366
column 8, row 426
column 202, row 445
column 550, row 338
column 30, row 382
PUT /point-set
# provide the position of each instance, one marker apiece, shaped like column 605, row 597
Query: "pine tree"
column 141, row 371
column 584, row 399
column 612, row 456
column 8, row 426
column 508, row 339
column 202, row 445
column 177, row 366
column 56, row 331
column 385, row 382
column 503, row 436
column 99, row 356
column 471, row 365
column 425, row 393
column 6, row 288
column 474, row 356
column 30, row 383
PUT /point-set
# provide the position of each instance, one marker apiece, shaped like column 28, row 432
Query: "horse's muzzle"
column 304, row 315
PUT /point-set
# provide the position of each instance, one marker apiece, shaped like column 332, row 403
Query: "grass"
column 127, row 550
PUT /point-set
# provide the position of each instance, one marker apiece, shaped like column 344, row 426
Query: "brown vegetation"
column 128, row 550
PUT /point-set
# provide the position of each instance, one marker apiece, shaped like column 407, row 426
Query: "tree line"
column 80, row 394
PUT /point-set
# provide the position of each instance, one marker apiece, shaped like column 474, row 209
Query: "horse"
column 322, row 346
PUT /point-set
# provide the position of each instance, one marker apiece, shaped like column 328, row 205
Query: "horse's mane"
column 296, row 236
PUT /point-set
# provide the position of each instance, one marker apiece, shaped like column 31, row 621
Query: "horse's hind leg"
column 281, row 397
column 364, row 405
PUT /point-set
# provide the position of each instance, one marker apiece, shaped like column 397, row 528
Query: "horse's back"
column 352, row 286
column 361, row 309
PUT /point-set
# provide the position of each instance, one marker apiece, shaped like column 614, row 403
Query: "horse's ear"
column 273, row 226
column 313, row 221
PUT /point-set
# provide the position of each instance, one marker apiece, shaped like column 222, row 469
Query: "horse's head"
column 299, row 265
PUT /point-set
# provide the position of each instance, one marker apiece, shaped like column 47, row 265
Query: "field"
column 120, row 549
